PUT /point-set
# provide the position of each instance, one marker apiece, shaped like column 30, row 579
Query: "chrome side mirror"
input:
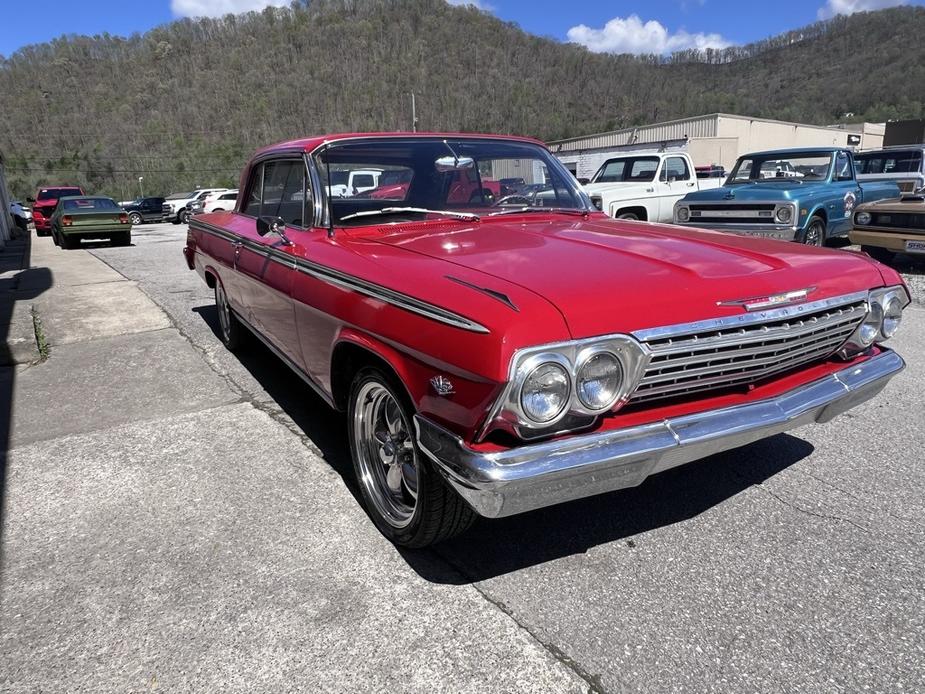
column 273, row 225
column 449, row 164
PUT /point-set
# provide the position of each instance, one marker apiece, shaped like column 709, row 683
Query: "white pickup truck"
column 646, row 185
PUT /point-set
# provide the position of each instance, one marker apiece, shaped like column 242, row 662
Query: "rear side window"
column 55, row 193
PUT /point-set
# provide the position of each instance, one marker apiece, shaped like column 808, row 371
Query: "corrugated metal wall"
column 702, row 126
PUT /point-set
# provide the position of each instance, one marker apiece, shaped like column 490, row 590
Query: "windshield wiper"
column 521, row 210
column 420, row 210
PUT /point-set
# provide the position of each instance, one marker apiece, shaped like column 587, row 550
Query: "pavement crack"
column 799, row 509
column 593, row 681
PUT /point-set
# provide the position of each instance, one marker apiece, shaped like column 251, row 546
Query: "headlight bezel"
column 530, row 367
column 790, row 214
column 877, row 301
column 509, row 413
column 584, row 360
column 863, row 223
column 685, row 210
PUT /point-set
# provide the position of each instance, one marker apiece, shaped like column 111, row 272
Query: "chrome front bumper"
column 532, row 476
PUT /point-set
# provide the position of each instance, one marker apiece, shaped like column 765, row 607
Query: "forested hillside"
column 185, row 103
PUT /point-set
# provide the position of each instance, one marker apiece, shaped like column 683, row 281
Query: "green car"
column 89, row 217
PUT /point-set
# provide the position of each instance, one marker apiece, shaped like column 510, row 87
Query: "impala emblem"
column 757, row 303
column 730, row 195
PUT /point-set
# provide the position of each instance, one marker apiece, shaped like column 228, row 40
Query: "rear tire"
column 404, row 496
column 69, row 242
column 184, row 217
column 230, row 330
column 879, row 254
column 628, row 215
column 40, row 232
column 123, row 238
column 135, row 218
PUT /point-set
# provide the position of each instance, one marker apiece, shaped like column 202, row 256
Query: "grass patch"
column 40, row 342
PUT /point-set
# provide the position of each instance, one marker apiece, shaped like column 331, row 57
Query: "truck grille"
column 739, row 356
column 732, row 213
column 899, row 220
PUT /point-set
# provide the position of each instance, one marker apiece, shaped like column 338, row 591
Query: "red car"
column 494, row 357
column 44, row 203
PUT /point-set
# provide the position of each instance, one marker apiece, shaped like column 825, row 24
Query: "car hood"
column 779, row 189
column 607, row 276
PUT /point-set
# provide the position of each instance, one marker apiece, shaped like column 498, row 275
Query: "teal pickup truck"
column 805, row 195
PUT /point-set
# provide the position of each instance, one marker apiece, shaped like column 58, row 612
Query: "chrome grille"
column 739, row 356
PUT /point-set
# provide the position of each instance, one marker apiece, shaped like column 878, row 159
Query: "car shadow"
column 493, row 547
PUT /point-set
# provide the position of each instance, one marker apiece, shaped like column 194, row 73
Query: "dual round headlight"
column 683, row 214
column 784, row 215
column 862, row 218
column 547, row 388
column 892, row 317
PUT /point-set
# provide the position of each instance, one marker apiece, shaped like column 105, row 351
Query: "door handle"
column 690, row 185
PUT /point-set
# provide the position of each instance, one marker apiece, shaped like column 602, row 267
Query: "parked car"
column 220, row 202
column 888, row 227
column 904, row 164
column 645, row 186
column 44, row 203
column 811, row 207
column 142, row 210
column 22, row 216
column 500, row 358
column 78, row 218
column 347, row 183
column 176, row 206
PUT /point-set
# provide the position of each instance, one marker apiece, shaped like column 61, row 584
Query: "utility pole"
column 414, row 115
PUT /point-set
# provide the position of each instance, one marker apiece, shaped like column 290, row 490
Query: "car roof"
column 781, row 153
column 309, row 144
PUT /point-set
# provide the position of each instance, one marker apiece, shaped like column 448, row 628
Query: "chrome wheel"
column 815, row 233
column 385, row 453
column 224, row 311
column 134, row 218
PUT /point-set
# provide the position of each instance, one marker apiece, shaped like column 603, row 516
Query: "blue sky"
column 616, row 25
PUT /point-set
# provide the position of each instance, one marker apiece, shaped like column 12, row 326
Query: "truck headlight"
column 545, row 392
column 682, row 214
column 862, row 218
column 598, row 381
column 784, row 215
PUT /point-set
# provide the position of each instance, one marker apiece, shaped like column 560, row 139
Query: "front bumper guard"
column 527, row 477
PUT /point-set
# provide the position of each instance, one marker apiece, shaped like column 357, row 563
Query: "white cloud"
column 834, row 7
column 219, row 8
column 632, row 35
column 477, row 4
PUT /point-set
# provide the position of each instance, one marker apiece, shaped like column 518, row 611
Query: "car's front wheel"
column 406, row 499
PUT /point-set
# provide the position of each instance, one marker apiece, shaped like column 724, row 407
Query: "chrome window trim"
column 346, row 281
column 666, row 331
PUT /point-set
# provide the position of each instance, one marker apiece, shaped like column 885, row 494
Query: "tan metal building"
column 717, row 139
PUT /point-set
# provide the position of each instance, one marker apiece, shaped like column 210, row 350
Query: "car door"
column 846, row 195
column 264, row 265
column 675, row 181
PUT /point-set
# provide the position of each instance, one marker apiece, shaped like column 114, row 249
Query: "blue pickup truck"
column 804, row 195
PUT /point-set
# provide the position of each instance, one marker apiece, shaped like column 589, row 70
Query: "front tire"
column 230, row 330
column 815, row 232
column 405, row 497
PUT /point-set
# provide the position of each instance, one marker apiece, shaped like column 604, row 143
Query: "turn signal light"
column 66, row 220
column 123, row 218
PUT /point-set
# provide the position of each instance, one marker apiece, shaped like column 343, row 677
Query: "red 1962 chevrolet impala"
column 509, row 349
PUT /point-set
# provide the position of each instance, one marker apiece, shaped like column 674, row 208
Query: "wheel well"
column 821, row 214
column 210, row 280
column 347, row 359
column 640, row 212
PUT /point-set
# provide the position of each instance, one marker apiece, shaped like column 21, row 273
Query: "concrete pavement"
column 163, row 532
column 196, row 531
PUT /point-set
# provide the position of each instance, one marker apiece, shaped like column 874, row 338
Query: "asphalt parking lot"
column 179, row 518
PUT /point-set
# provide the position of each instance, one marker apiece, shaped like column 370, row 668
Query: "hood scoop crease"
column 493, row 293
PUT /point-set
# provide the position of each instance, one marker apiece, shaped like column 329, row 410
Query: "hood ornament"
column 756, row 303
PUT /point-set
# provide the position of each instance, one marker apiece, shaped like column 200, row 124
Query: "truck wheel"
column 176, row 219
column 184, row 217
column 815, row 232
column 230, row 328
column 135, row 218
column 628, row 215
column 882, row 255
column 405, row 497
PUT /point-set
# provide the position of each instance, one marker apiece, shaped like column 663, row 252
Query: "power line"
column 121, row 171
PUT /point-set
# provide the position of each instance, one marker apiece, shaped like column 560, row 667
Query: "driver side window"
column 843, row 168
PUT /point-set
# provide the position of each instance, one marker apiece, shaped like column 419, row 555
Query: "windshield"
column 55, row 193
column 472, row 176
column 805, row 166
column 888, row 162
column 88, row 204
column 636, row 169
